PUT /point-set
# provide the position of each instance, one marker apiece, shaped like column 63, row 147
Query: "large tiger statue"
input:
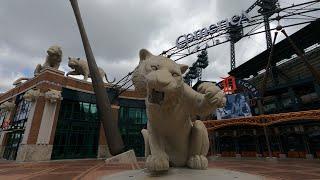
column 172, row 137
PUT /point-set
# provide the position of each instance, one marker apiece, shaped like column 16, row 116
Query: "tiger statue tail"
column 114, row 79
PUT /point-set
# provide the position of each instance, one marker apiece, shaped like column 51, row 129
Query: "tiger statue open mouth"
column 156, row 97
column 172, row 137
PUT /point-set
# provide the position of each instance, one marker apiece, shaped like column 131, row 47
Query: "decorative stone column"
column 42, row 149
column 31, row 96
column 9, row 108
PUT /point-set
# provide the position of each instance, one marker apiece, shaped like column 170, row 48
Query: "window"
column 19, row 120
column 22, row 113
column 77, row 132
column 13, row 142
column 131, row 121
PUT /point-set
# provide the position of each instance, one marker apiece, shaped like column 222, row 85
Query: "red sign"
column 229, row 85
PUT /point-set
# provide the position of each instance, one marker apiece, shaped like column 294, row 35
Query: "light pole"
column 110, row 126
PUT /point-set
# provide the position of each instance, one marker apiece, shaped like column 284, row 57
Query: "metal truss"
column 298, row 12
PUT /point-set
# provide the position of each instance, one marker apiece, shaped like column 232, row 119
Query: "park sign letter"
column 236, row 20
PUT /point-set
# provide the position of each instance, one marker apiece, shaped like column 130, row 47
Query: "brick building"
column 52, row 116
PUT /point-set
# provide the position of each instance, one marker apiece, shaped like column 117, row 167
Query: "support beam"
column 232, row 55
column 256, row 140
column 315, row 73
column 309, row 154
column 268, row 31
column 214, row 144
column 267, row 141
column 236, row 144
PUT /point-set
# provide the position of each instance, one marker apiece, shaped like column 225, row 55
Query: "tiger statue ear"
column 144, row 54
column 183, row 68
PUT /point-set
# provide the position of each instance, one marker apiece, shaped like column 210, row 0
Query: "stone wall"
column 34, row 152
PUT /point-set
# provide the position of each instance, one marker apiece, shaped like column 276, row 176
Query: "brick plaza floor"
column 93, row 169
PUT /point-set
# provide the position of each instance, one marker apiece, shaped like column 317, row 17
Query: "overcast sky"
column 117, row 30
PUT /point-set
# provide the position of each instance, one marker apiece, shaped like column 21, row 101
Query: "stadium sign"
column 244, row 84
column 236, row 20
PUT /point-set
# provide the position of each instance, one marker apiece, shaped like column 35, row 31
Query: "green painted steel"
column 131, row 122
column 77, row 132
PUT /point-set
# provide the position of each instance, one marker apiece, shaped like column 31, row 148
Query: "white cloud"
column 117, row 30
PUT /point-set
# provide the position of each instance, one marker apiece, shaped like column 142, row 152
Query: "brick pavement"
column 293, row 169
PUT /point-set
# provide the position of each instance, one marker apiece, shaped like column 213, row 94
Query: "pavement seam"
column 255, row 173
column 88, row 171
column 41, row 172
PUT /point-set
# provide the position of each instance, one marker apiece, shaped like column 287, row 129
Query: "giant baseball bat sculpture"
column 110, row 126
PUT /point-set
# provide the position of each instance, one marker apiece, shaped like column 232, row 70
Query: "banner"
column 236, row 106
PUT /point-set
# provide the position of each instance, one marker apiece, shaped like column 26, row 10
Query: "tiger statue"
column 53, row 60
column 80, row 67
column 173, row 137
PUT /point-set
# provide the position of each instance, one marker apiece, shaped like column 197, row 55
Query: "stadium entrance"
column 77, row 132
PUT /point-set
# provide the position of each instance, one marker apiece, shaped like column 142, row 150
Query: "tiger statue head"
column 54, row 54
column 158, row 78
column 53, row 95
column 32, row 95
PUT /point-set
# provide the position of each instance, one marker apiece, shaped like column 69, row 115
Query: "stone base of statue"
column 128, row 157
column 184, row 174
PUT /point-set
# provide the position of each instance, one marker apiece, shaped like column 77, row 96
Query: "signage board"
column 213, row 30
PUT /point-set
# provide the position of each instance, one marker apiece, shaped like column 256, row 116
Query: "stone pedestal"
column 282, row 156
column 34, row 152
column 184, row 174
column 309, row 156
column 103, row 151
